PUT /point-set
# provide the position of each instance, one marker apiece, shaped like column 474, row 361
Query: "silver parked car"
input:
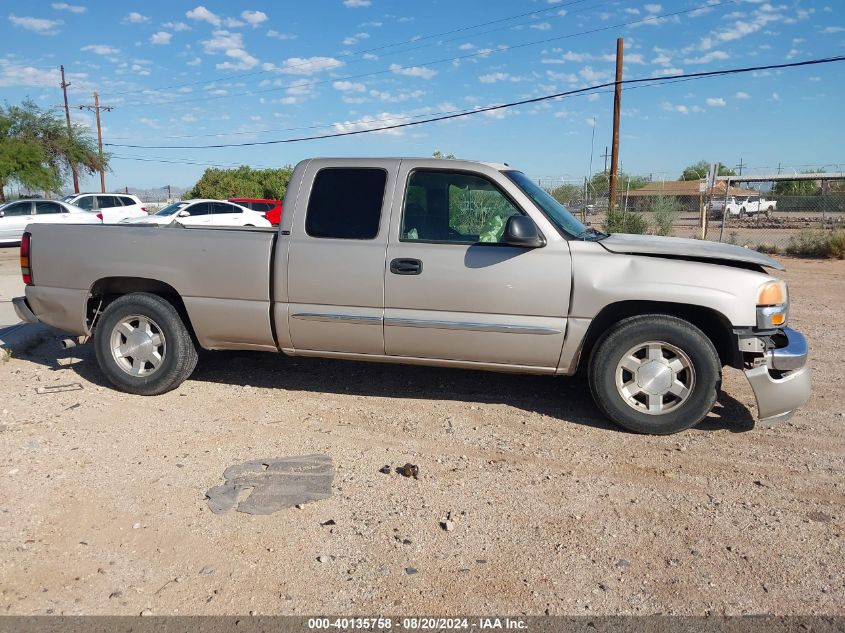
column 425, row 261
column 15, row 216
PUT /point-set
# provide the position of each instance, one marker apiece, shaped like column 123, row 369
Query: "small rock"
column 329, row 522
column 115, row 594
column 623, row 564
column 146, row 612
column 206, row 571
column 448, row 525
column 322, row 559
column 385, row 470
column 41, row 390
column 409, row 470
column 410, row 570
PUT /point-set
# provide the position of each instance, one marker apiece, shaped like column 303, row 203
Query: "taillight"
column 26, row 271
column 100, row 215
column 144, row 209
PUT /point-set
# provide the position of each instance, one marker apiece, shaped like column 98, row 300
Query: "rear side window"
column 201, row 208
column 85, row 202
column 222, row 207
column 107, row 202
column 346, row 203
column 127, row 202
column 44, row 207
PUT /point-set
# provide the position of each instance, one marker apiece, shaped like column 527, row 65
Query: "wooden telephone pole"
column 65, row 84
column 96, row 109
column 617, row 107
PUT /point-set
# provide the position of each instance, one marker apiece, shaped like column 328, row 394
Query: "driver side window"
column 443, row 206
column 85, row 202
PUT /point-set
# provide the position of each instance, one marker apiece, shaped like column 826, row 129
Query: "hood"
column 682, row 248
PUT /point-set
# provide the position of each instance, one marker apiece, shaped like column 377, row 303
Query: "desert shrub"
column 630, row 222
column 818, row 243
column 666, row 210
column 768, row 248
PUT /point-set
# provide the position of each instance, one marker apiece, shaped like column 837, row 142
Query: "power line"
column 559, row 95
column 482, row 53
column 414, row 40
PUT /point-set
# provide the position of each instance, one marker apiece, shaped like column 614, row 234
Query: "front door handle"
column 406, row 266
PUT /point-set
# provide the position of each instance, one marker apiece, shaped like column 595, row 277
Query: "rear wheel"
column 655, row 374
column 143, row 346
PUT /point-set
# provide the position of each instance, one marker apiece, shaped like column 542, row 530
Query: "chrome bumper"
column 783, row 382
column 23, row 310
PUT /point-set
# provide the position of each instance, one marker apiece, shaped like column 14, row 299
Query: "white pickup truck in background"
column 742, row 206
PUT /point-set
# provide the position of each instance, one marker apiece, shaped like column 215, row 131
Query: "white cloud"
column 162, row 37
column 373, row 122
column 201, row 14
column 742, row 95
column 233, row 23
column 356, row 4
column 189, row 118
column 196, row 61
column 594, row 75
column 492, row 78
column 135, row 18
column 64, row 6
column 299, row 91
column 101, row 49
column 231, row 45
column 466, row 47
column 254, row 18
column 140, row 70
column 716, row 102
column 14, row 74
column 354, row 39
column 707, row 57
column 42, row 26
column 413, row 71
column 775, row 96
column 541, row 26
column 653, row 8
column 833, row 29
column 281, row 36
column 398, row 97
column 309, row 65
column 349, row 86
column 176, row 26
column 665, row 72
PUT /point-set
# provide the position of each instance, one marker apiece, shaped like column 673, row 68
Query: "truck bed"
column 222, row 275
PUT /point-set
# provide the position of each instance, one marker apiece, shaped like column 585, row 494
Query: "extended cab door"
column 453, row 290
column 336, row 251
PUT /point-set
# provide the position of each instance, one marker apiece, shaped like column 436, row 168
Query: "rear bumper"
column 23, row 310
column 783, row 382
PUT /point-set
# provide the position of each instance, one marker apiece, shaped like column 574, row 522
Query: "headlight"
column 772, row 305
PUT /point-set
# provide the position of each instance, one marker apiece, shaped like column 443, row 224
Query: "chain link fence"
column 771, row 217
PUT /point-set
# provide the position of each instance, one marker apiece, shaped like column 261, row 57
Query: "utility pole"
column 605, row 156
column 96, row 109
column 740, row 166
column 617, row 106
column 65, row 84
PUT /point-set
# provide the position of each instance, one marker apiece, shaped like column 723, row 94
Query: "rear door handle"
column 406, row 266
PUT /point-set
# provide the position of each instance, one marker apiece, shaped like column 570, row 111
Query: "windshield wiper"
column 590, row 231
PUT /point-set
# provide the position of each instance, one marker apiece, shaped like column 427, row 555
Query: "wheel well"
column 714, row 324
column 106, row 290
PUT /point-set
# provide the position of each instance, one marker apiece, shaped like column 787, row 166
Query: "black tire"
column 178, row 357
column 608, row 354
column 742, row 213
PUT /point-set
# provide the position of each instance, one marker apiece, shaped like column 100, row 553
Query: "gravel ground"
column 553, row 510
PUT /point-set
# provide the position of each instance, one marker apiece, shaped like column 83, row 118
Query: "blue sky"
column 187, row 73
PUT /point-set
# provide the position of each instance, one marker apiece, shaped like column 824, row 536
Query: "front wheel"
column 655, row 374
column 143, row 346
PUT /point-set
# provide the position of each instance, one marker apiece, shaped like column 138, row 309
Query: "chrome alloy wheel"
column 655, row 377
column 138, row 345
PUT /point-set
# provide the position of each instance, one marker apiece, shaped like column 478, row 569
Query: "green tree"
column 798, row 187
column 36, row 150
column 242, row 182
column 600, row 182
column 438, row 154
column 566, row 192
column 699, row 170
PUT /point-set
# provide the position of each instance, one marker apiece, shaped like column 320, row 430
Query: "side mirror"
column 2, row 214
column 184, row 214
column 520, row 230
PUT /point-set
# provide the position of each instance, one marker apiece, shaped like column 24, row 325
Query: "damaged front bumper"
column 781, row 378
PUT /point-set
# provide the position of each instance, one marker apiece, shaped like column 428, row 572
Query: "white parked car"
column 741, row 206
column 204, row 213
column 15, row 216
column 112, row 207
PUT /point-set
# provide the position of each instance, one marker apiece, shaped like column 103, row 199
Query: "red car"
column 272, row 209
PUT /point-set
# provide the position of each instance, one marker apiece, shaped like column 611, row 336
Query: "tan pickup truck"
column 438, row 262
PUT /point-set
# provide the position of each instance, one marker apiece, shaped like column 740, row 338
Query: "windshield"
column 172, row 208
column 69, row 198
column 558, row 214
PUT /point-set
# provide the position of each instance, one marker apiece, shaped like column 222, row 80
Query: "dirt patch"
column 551, row 508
